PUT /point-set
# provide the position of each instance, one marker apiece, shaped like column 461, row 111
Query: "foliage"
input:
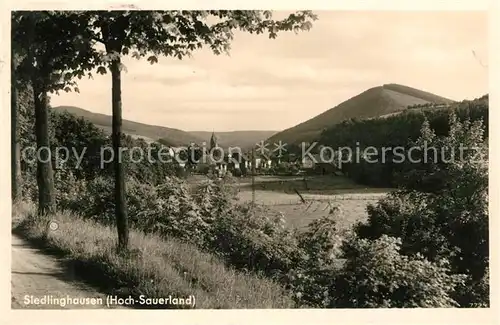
column 167, row 208
column 179, row 33
column 52, row 49
column 319, row 250
column 73, row 137
column 446, row 218
column 375, row 274
column 251, row 238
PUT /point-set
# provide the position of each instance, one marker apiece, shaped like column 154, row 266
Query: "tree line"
column 400, row 130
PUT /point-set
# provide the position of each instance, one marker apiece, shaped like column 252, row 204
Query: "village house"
column 220, row 160
column 315, row 164
column 176, row 154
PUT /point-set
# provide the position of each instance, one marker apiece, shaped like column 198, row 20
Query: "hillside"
column 377, row 101
column 243, row 139
column 135, row 129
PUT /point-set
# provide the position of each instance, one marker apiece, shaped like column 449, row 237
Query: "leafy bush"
column 441, row 212
column 406, row 216
column 318, row 261
column 215, row 196
column 322, row 241
column 29, row 187
column 248, row 238
column 96, row 200
column 375, row 274
column 179, row 215
column 252, row 238
column 68, row 190
column 168, row 208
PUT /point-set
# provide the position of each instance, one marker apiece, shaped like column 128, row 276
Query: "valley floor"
column 352, row 207
column 322, row 193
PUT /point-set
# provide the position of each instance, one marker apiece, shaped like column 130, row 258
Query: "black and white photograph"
column 249, row 159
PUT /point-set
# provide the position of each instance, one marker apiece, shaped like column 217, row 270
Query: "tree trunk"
column 120, row 201
column 45, row 177
column 44, row 174
column 15, row 146
column 253, row 177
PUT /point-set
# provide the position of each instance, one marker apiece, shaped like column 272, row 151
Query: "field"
column 321, row 185
column 321, row 194
column 352, row 207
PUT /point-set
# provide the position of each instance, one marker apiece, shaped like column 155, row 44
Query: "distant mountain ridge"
column 374, row 102
column 171, row 136
column 242, row 139
column 135, row 129
column 385, row 100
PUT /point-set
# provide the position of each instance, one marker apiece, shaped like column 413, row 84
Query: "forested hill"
column 377, row 101
column 397, row 131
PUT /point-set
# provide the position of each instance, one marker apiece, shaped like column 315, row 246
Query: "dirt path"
column 36, row 275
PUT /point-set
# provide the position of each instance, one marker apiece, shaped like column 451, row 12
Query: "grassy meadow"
column 323, row 193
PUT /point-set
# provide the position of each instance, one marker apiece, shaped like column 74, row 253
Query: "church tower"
column 213, row 141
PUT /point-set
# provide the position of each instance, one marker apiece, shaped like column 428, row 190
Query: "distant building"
column 309, row 162
column 221, row 160
column 216, row 158
column 176, row 154
column 318, row 165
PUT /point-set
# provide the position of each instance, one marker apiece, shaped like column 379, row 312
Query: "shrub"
column 321, row 241
column 178, row 214
column 375, row 274
column 68, row 190
column 319, row 248
column 252, row 238
column 215, row 196
column 441, row 212
column 168, row 209
column 406, row 216
column 29, row 187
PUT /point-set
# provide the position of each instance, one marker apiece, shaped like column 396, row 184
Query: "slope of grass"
column 373, row 102
column 135, row 129
column 154, row 267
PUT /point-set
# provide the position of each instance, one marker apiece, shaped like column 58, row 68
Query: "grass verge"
column 155, row 267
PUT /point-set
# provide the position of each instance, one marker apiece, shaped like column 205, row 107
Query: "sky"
column 267, row 84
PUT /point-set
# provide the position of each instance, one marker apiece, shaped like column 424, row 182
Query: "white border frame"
column 237, row 316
